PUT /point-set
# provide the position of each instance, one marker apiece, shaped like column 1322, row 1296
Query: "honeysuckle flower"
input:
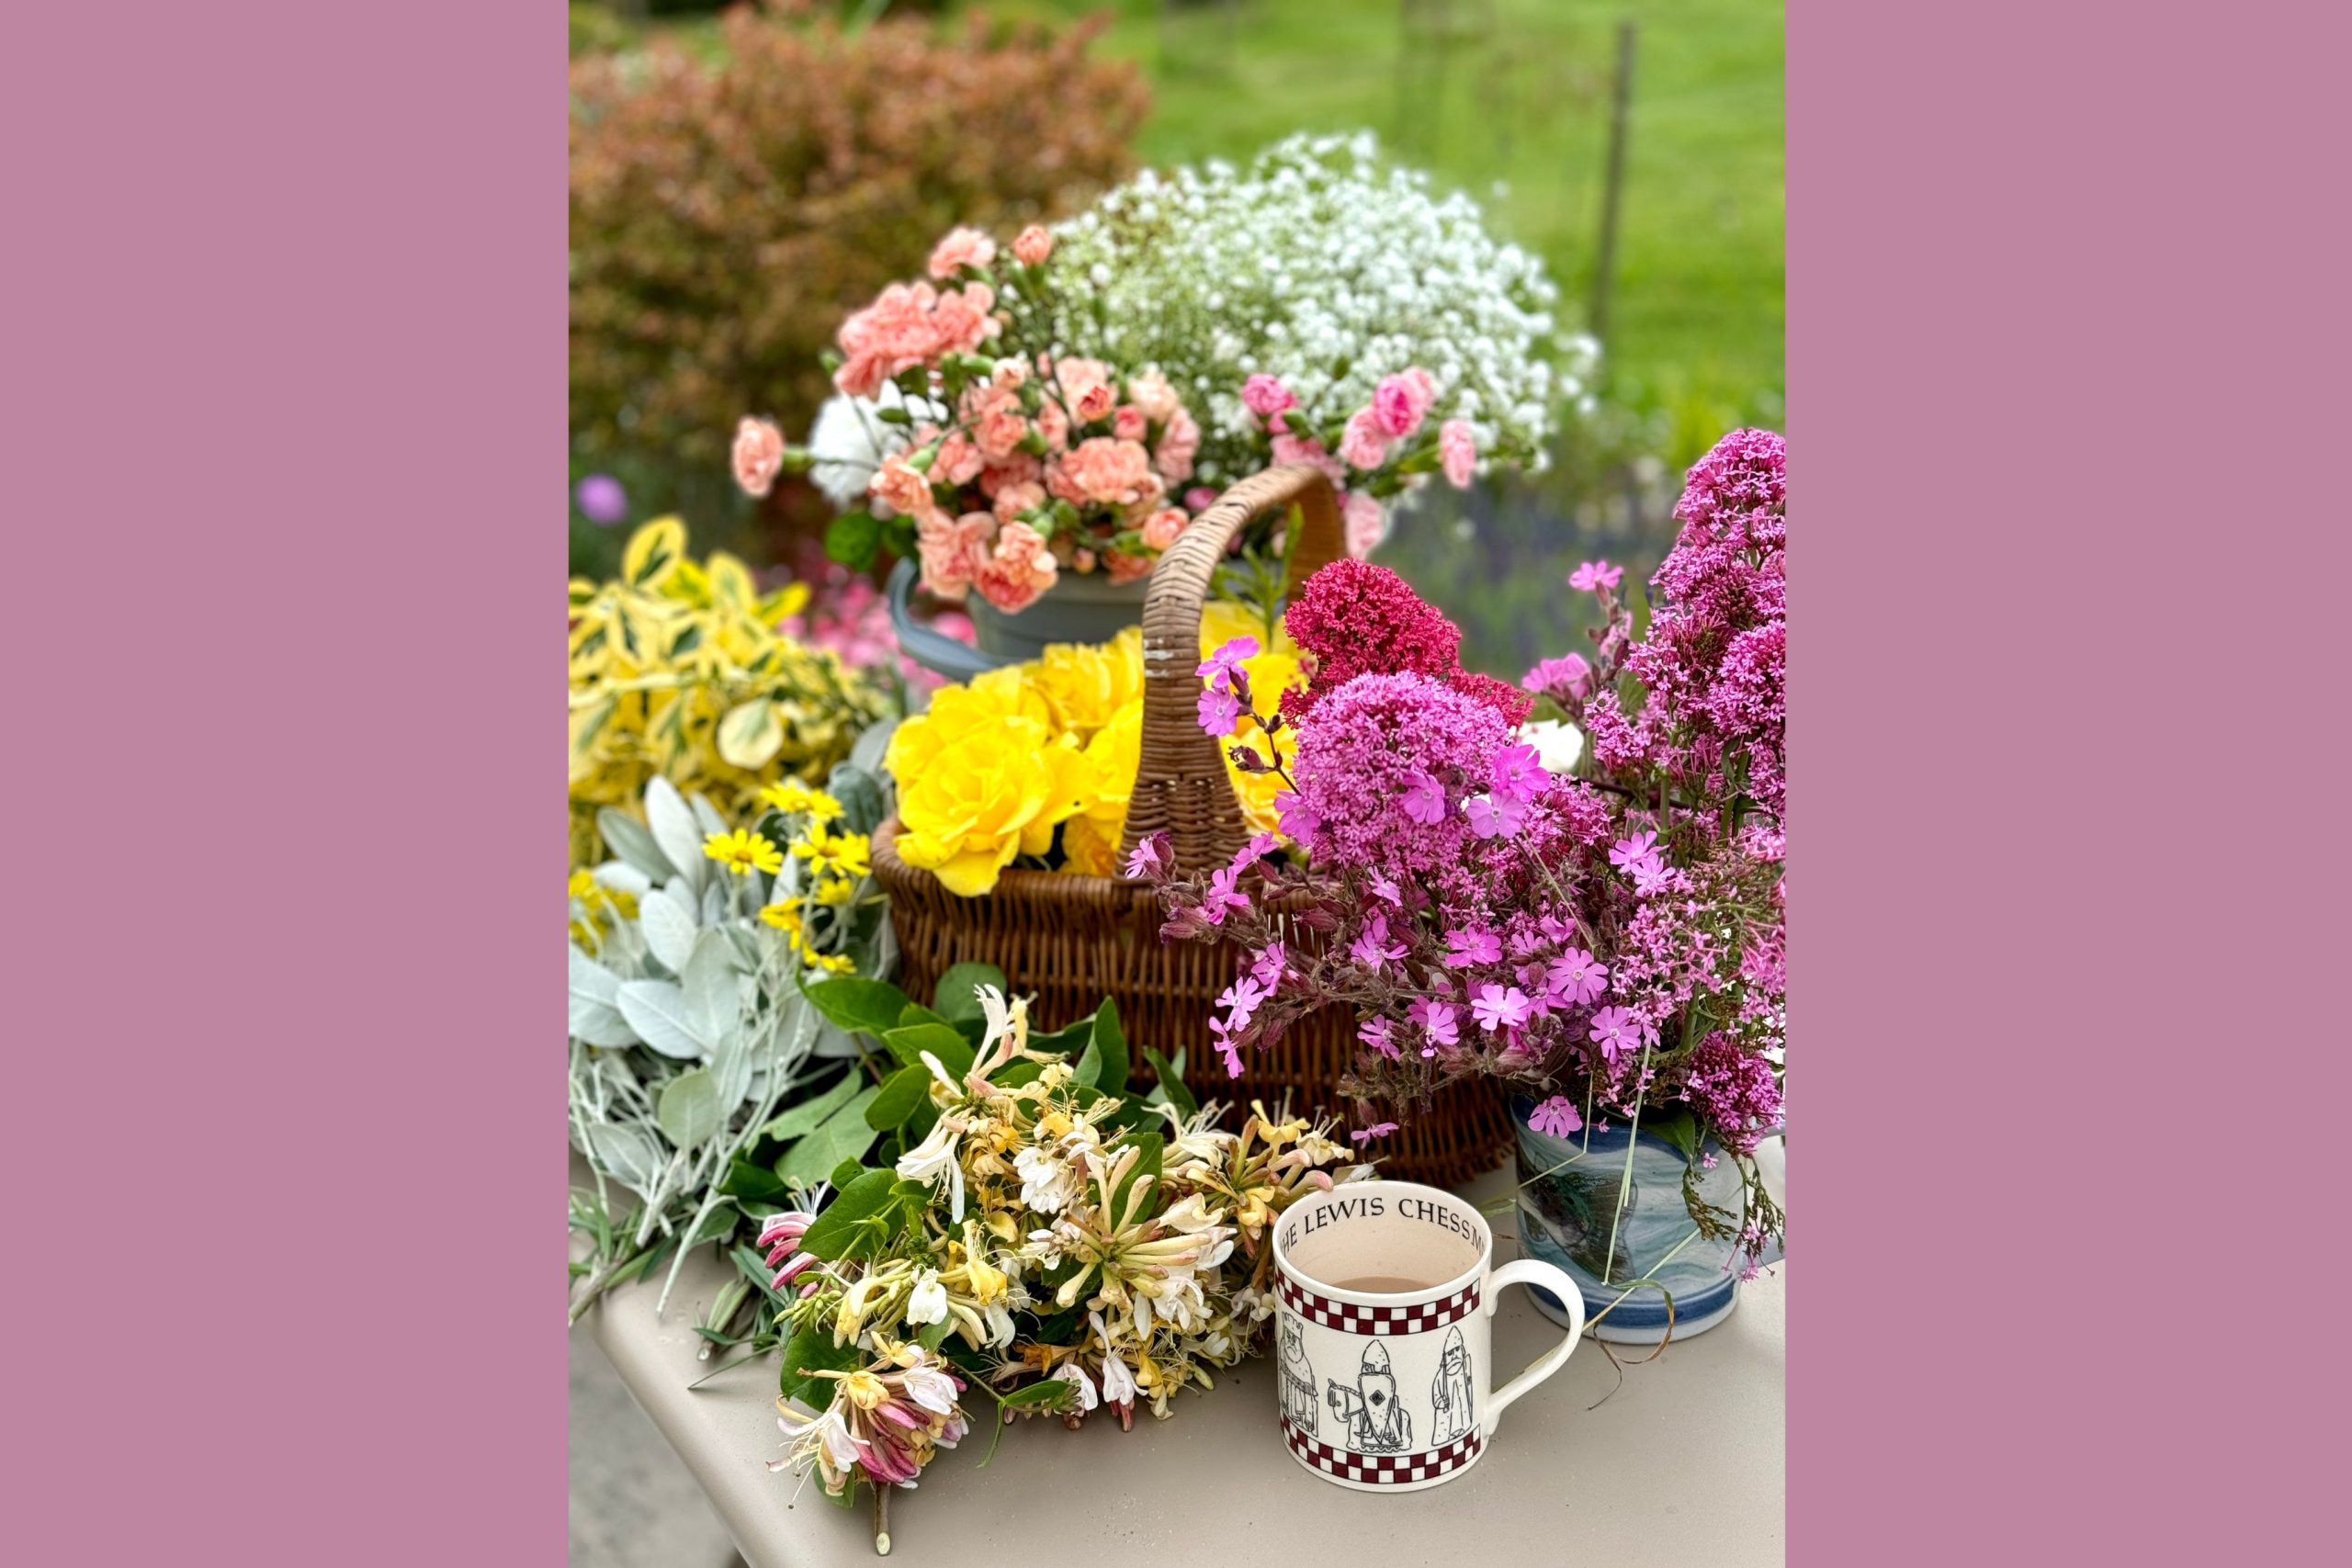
column 1049, row 1180
column 935, row 1160
column 929, row 1301
column 1075, row 1375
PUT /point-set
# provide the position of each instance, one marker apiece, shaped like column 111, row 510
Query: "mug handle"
column 1533, row 1271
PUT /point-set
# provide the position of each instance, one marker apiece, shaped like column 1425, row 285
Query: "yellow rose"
column 1084, row 686
column 956, row 712
column 997, row 792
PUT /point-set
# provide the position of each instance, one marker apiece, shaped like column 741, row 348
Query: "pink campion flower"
column 1298, row 819
column 1148, row 858
column 1424, row 799
column 1594, row 575
column 960, row 248
column 1032, row 245
column 1576, row 976
column 1440, row 1019
column 1492, row 815
column 1649, row 873
column 1374, row 1032
column 1269, row 964
column 1377, row 1129
column 1362, row 444
column 1555, row 1118
column 1371, row 947
column 1472, row 945
column 1220, row 711
column 1402, row 402
column 1241, row 1000
column 1614, row 1029
column 1220, row 667
column 758, row 455
column 1260, row 846
column 1568, row 675
column 1498, row 1008
column 1638, row 846
column 1265, row 396
column 1223, row 895
column 1457, row 450
column 1220, row 1037
column 1383, row 888
column 1518, row 774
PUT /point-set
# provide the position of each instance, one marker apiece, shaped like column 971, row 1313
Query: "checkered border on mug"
column 1383, row 1469
column 1349, row 1317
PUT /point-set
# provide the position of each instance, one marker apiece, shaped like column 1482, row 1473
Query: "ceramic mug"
column 1384, row 1334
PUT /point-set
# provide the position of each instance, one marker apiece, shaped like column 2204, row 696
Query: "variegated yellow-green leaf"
column 751, row 734
column 654, row 553
column 730, row 583
column 587, row 721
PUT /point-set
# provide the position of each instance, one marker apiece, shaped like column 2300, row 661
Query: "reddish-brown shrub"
column 727, row 214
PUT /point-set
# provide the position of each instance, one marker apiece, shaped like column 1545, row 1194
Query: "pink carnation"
column 1127, row 423
column 951, row 550
column 1265, row 396
column 1103, row 470
column 1032, row 245
column 898, row 486
column 1180, row 443
column 1017, row 571
column 962, row 320
column 1124, row 568
column 1086, row 389
column 1293, row 449
column 958, row 462
column 1011, row 500
column 1160, row 530
column 894, row 333
column 1362, row 444
column 1152, row 394
column 1458, row 450
column 961, row 248
column 1402, row 402
column 758, row 455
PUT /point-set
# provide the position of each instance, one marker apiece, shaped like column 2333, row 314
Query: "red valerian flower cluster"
column 1361, row 619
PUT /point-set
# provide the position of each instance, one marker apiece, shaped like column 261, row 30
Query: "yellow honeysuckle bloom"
column 742, row 852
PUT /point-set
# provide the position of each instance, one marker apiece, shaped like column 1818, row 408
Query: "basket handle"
column 1182, row 788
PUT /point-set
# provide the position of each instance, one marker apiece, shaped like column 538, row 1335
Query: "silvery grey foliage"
column 688, row 1030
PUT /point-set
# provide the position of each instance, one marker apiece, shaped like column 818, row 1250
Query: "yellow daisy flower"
column 742, row 852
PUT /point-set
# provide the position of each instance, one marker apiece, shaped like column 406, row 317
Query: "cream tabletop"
column 1682, row 1463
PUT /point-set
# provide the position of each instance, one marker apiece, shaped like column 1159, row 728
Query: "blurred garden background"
column 742, row 181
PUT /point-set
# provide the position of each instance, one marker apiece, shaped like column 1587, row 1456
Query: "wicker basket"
column 1073, row 940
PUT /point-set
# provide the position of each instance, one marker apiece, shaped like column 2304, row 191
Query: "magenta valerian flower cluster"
column 1609, row 937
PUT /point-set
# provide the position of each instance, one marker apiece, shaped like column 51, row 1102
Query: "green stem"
column 1625, row 1182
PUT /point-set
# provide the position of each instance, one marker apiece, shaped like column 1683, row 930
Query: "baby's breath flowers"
column 1061, row 1244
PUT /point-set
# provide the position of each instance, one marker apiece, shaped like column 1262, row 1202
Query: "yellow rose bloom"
column 1083, row 686
column 997, row 792
column 956, row 712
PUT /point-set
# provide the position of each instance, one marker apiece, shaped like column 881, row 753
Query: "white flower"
column 847, row 443
column 1118, row 1384
column 930, row 1387
column 1049, row 1178
column 935, row 1158
column 832, row 1434
column 929, row 1303
column 1557, row 743
column 1075, row 1375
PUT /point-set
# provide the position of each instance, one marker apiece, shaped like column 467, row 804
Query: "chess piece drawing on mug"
column 1376, row 1419
column 1299, row 1404
column 1452, row 1390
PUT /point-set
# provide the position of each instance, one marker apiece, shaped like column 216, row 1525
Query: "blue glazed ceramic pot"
column 1568, row 1195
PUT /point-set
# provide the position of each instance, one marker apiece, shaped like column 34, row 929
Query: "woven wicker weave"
column 1073, row 940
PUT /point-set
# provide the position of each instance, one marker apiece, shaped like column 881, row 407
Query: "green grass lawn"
column 1514, row 94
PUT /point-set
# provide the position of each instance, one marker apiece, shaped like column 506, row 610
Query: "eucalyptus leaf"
column 626, row 1153
column 657, row 1010
column 669, row 932
column 627, row 838
column 713, row 993
column 674, row 830
column 806, row 1116
column 689, row 1114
